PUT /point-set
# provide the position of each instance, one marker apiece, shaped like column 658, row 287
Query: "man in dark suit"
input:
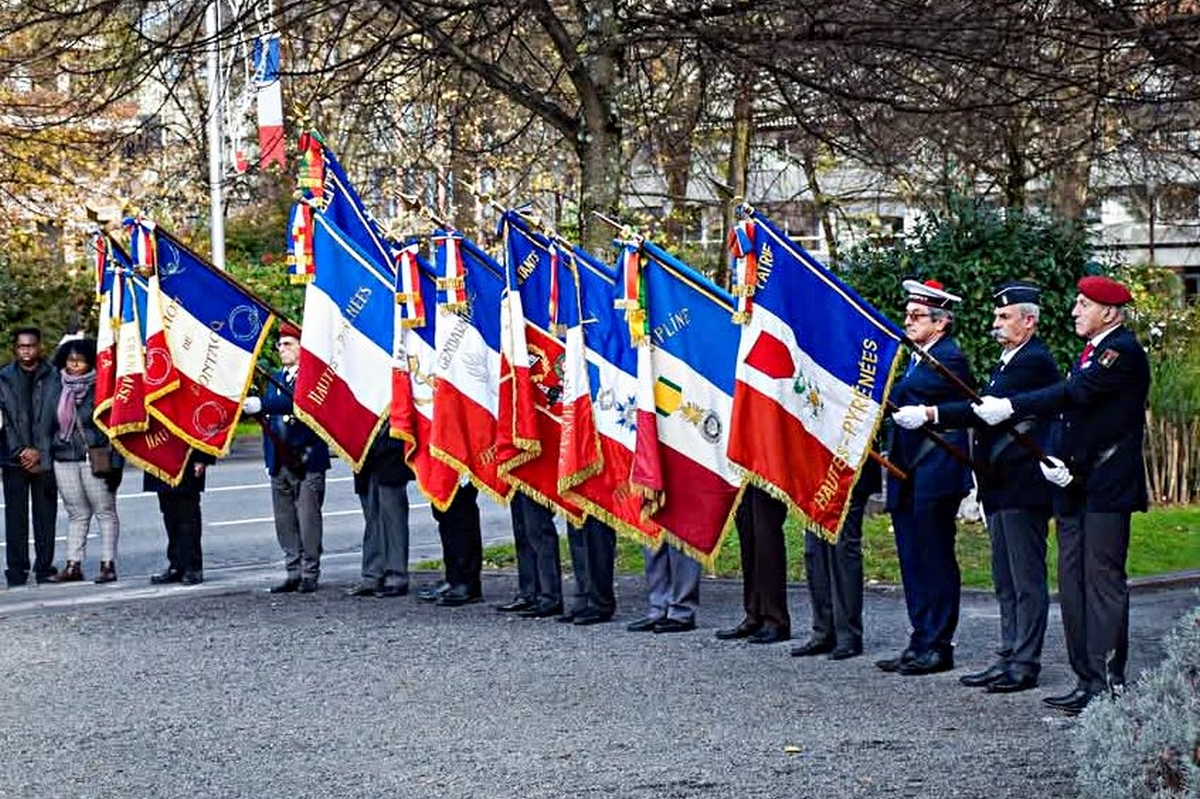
column 925, row 505
column 462, row 551
column 297, row 460
column 1014, row 495
column 1099, row 470
column 759, row 520
column 834, row 573
column 180, row 507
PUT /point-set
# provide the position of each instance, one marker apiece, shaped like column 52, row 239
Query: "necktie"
column 1087, row 353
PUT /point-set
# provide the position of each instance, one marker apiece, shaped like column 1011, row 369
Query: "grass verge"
column 1165, row 540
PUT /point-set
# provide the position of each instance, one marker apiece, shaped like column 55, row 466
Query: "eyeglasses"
column 915, row 315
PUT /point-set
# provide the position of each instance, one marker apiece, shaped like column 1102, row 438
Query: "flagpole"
column 216, row 194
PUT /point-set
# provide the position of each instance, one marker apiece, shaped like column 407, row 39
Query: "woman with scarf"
column 84, row 493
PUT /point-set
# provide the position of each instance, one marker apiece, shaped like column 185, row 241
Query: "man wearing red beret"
column 1101, row 481
column 297, row 460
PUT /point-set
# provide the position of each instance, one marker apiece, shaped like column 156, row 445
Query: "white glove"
column 910, row 417
column 993, row 410
column 1058, row 474
column 252, row 405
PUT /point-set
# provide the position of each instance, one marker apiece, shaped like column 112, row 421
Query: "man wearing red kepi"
column 1098, row 468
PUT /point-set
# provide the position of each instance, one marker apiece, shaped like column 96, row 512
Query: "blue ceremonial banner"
column 685, row 395
column 345, row 344
column 214, row 331
column 814, row 368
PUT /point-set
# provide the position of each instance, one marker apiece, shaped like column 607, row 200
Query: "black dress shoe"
column 845, row 652
column 592, row 616
column 567, row 617
column 1069, row 698
column 979, row 679
column 308, row 585
column 744, row 630
column 391, row 591
column 459, row 595
column 894, row 664
column 168, row 576
column 930, row 662
column 770, row 635
column 674, row 626
column 542, row 611
column 430, row 593
column 646, row 624
column 1075, row 707
column 1008, row 683
column 812, row 647
column 518, row 605
column 286, row 587
column 361, row 589
column 192, row 577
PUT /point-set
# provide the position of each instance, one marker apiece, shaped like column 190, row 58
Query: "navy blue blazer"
column 933, row 473
column 298, row 441
column 1006, row 472
column 1101, row 424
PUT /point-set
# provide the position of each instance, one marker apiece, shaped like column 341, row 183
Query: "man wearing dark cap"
column 297, row 460
column 1015, row 496
column 1101, row 479
column 924, row 506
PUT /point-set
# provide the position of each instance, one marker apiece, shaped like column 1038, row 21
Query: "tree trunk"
column 738, row 176
column 821, row 207
column 601, row 171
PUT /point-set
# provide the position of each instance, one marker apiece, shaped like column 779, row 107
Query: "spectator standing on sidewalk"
column 26, row 386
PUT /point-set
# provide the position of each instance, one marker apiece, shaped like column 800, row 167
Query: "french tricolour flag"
column 413, row 367
column 214, row 332
column 611, row 381
column 532, row 363
column 269, row 100
column 814, row 366
column 342, row 391
column 127, row 411
column 467, row 367
column 685, row 394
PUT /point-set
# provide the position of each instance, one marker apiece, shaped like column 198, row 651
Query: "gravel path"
column 237, row 693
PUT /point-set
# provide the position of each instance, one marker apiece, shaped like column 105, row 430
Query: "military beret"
column 1104, row 290
column 1013, row 292
column 929, row 293
column 288, row 330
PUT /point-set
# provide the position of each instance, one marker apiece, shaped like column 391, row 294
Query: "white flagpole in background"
column 216, row 194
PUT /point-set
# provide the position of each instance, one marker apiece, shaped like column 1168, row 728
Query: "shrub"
column 1146, row 742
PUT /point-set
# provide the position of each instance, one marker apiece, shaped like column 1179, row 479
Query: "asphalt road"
column 223, row 690
column 239, row 533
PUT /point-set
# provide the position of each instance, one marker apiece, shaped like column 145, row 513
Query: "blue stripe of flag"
column 830, row 321
column 216, row 302
column 354, row 284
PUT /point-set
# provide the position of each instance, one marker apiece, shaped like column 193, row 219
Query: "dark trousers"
column 181, row 517
column 593, row 553
column 385, row 533
column 1019, row 574
column 1094, row 595
column 23, row 491
column 462, row 539
column 834, row 573
column 759, row 521
column 539, row 568
column 929, row 570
